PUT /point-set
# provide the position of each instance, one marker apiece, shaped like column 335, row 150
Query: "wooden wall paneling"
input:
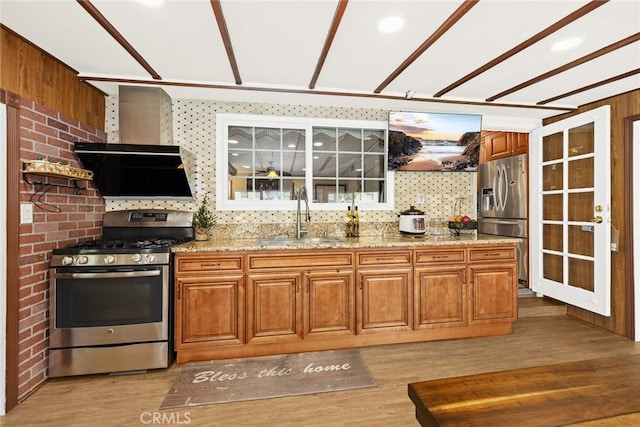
column 622, row 106
column 32, row 73
column 13, row 246
column 629, row 211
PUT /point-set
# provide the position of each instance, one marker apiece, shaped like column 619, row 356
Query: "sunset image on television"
column 434, row 141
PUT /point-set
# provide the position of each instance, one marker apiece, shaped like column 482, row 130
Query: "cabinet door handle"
column 211, row 264
column 297, row 285
column 179, row 292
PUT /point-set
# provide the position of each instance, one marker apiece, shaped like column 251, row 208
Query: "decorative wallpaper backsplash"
column 194, row 124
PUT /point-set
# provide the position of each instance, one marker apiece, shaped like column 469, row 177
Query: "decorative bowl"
column 456, row 227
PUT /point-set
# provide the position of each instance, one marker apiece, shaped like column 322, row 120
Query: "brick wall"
column 60, row 218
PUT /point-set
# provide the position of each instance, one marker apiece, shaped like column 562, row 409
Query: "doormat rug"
column 252, row 378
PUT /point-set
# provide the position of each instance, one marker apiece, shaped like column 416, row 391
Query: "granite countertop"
column 388, row 241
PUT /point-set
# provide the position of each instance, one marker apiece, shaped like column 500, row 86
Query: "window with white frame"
column 262, row 161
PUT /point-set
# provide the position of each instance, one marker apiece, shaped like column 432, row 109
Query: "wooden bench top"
column 553, row 395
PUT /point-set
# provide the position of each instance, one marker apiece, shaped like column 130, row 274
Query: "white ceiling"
column 278, row 45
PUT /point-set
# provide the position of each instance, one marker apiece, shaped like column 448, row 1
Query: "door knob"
column 597, row 219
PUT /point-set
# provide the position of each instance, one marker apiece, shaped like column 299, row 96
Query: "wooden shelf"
column 46, row 170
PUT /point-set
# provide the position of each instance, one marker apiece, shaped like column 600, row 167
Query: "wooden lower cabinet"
column 274, row 307
column 268, row 302
column 440, row 287
column 494, row 294
column 440, row 296
column 209, row 310
column 328, row 303
column 286, row 306
column 384, row 300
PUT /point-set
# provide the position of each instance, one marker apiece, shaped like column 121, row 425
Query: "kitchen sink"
column 301, row 241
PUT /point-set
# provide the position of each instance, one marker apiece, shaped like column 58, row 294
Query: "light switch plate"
column 26, row 213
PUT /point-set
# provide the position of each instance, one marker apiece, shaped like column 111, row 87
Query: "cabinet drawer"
column 195, row 264
column 289, row 259
column 492, row 254
column 433, row 256
column 384, row 258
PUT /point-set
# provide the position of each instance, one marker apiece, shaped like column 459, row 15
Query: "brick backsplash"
column 60, row 218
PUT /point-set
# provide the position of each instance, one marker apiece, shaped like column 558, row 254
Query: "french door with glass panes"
column 570, row 197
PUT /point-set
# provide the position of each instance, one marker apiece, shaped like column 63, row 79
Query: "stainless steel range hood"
column 144, row 164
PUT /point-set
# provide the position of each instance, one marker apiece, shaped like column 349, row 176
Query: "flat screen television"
column 434, row 142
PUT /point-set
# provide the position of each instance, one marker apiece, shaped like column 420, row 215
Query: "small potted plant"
column 203, row 220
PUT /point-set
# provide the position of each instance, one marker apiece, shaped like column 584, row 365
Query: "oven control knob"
column 109, row 259
column 67, row 260
column 136, row 257
column 148, row 259
column 82, row 259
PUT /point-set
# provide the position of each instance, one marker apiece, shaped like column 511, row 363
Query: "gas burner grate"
column 126, row 244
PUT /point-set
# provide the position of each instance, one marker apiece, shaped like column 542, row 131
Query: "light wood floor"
column 133, row 400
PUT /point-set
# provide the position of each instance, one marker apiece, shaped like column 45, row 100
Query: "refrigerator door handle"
column 500, row 179
column 500, row 221
column 505, row 180
column 496, row 188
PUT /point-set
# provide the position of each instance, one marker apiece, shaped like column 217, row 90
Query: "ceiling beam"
column 592, row 86
column 226, row 40
column 525, row 44
column 337, row 17
column 446, row 26
column 598, row 53
column 104, row 22
column 174, row 83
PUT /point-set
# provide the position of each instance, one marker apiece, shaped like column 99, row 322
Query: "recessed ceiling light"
column 391, row 24
column 566, row 44
column 154, row 3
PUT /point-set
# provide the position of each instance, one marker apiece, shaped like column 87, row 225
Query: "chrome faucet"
column 307, row 218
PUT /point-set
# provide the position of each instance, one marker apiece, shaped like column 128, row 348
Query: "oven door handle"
column 116, row 275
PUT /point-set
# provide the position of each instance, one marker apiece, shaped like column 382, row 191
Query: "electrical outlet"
column 26, row 213
column 420, row 199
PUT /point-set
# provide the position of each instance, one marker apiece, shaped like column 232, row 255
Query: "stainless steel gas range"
column 109, row 301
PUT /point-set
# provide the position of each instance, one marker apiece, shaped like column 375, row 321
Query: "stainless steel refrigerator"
column 502, row 203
